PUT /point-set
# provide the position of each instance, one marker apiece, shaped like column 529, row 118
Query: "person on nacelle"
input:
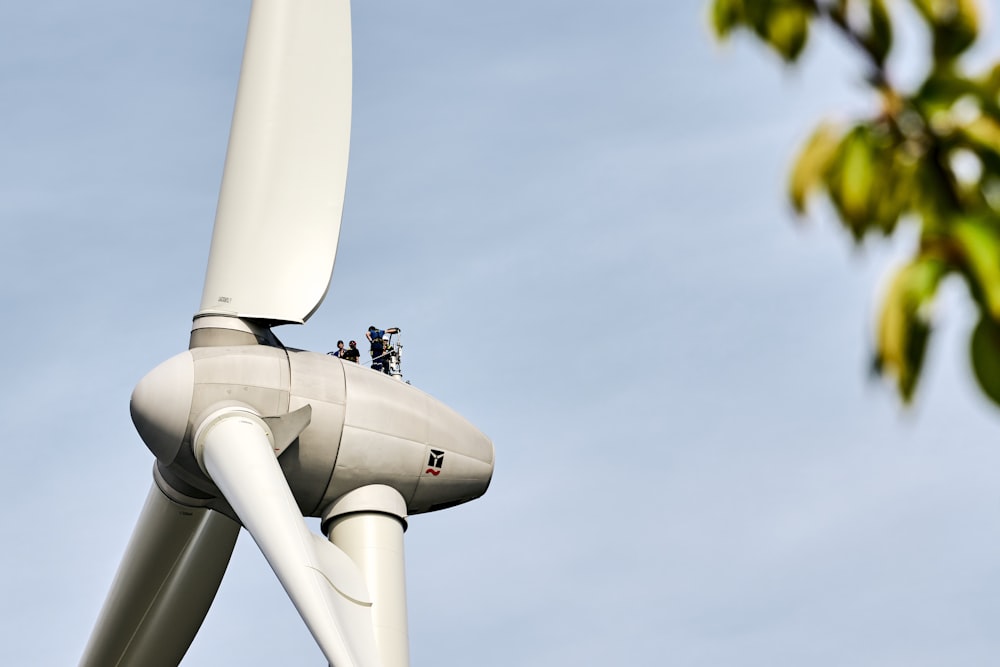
column 352, row 353
column 376, row 337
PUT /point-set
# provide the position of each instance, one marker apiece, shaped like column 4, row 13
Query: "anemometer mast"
column 394, row 353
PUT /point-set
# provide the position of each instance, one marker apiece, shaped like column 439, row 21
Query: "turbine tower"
column 248, row 433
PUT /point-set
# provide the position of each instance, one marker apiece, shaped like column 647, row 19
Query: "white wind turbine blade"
column 282, row 195
column 324, row 584
column 165, row 585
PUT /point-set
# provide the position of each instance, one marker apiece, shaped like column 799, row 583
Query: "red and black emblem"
column 435, row 462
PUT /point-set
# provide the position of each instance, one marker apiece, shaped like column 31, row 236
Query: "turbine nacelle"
column 335, row 426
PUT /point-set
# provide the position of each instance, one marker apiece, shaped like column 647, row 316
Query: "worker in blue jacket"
column 376, row 337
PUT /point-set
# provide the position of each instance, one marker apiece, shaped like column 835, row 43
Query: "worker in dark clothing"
column 352, row 353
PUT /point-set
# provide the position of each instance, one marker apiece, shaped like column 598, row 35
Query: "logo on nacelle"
column 435, row 462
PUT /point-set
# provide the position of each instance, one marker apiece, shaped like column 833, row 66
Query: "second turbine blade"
column 165, row 585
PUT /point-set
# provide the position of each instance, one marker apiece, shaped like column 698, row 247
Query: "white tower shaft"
column 367, row 524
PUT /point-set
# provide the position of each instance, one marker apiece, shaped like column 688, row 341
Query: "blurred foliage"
column 928, row 156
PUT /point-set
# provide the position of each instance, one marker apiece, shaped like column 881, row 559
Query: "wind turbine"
column 249, row 433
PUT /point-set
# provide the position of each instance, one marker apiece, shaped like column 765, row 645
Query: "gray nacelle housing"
column 365, row 427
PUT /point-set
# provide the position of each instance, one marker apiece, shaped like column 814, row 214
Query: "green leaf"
column 787, row 30
column 874, row 176
column 856, row 177
column 954, row 25
column 983, row 133
column 812, row 163
column 849, row 179
column 942, row 88
column 727, row 15
column 978, row 239
column 990, row 83
column 879, row 39
column 781, row 24
column 904, row 322
column 895, row 190
column 984, row 348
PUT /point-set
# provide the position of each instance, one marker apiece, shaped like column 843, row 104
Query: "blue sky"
column 576, row 214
